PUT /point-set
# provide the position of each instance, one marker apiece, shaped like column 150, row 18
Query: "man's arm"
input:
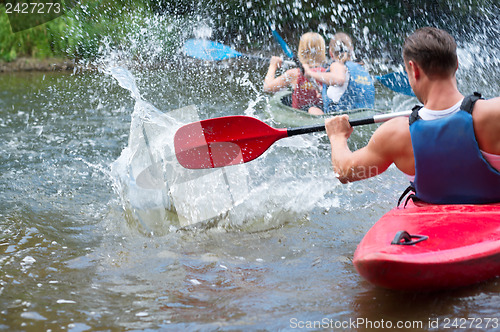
column 390, row 143
column 486, row 117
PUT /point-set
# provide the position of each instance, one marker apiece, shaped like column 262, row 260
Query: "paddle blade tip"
column 194, row 150
column 204, row 49
column 397, row 82
column 223, row 141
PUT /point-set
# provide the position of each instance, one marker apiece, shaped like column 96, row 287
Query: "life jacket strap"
column 412, row 196
column 467, row 105
column 469, row 101
column 414, row 113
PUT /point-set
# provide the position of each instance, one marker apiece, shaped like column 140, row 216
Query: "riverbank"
column 32, row 64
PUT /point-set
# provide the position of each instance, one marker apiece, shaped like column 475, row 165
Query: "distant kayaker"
column 346, row 84
column 450, row 147
column 312, row 52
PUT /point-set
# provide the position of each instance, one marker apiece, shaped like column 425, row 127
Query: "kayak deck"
column 462, row 248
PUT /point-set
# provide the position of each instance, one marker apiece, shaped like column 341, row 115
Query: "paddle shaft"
column 238, row 139
column 374, row 119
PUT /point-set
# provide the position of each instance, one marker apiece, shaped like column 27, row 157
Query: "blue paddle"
column 288, row 51
column 397, row 81
column 213, row 51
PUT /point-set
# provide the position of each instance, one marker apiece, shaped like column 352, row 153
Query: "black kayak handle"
column 406, row 239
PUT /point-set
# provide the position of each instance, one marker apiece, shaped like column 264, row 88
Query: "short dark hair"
column 433, row 49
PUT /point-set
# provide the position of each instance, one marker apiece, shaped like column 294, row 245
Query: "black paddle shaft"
column 316, row 128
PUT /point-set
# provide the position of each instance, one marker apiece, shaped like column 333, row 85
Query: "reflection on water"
column 431, row 310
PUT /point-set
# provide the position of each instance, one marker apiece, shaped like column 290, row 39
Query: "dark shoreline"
column 24, row 64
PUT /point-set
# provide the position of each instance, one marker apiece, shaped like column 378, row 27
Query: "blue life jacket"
column 360, row 91
column 449, row 167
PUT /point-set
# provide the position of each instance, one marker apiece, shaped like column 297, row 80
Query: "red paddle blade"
column 224, row 141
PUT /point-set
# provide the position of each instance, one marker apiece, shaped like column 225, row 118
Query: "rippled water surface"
column 86, row 242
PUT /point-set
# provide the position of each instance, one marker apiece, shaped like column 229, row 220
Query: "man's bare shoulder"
column 486, row 114
column 487, row 107
column 394, row 129
column 392, row 140
column 486, row 117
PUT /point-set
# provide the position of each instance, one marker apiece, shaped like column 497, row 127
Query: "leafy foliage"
column 77, row 34
column 378, row 26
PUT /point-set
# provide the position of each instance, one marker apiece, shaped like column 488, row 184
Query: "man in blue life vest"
column 449, row 148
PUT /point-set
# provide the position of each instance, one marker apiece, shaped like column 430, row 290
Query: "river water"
column 101, row 230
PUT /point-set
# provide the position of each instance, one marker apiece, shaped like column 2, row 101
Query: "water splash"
column 284, row 184
column 126, row 80
column 160, row 196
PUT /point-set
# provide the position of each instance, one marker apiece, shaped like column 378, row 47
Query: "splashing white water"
column 160, row 195
column 153, row 186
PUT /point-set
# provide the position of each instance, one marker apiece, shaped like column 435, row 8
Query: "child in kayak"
column 450, row 146
column 346, row 84
column 305, row 93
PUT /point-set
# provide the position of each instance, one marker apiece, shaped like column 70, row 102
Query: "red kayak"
column 432, row 247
